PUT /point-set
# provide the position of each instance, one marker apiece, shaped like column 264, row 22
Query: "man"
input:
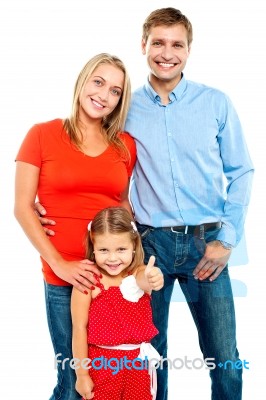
column 188, row 139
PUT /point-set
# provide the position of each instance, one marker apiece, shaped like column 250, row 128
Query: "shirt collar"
column 176, row 94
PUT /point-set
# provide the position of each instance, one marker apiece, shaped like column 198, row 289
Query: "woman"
column 77, row 167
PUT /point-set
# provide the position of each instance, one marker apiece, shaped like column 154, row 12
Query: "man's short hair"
column 166, row 16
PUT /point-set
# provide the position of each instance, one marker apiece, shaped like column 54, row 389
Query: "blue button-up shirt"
column 193, row 165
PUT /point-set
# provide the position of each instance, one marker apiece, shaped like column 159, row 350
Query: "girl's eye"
column 122, row 249
column 103, row 251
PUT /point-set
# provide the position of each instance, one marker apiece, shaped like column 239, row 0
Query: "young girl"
column 115, row 318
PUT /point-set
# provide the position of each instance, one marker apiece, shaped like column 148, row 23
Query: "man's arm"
column 40, row 211
column 238, row 170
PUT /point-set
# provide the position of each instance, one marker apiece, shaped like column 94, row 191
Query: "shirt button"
column 169, row 134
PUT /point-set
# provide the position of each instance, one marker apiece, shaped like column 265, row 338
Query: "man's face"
column 167, row 52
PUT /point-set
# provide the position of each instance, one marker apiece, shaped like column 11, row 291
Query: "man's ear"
column 143, row 46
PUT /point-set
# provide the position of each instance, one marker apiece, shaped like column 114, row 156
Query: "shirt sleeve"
column 238, row 170
column 30, row 149
column 131, row 146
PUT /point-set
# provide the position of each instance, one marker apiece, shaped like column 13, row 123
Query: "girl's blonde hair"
column 112, row 123
column 115, row 220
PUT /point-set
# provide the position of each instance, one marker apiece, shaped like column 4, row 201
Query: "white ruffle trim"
column 130, row 290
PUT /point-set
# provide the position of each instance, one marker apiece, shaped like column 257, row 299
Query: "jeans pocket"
column 145, row 233
column 144, row 230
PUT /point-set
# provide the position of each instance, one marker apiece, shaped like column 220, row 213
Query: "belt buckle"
column 185, row 226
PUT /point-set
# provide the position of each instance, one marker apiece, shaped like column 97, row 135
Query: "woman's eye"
column 116, row 92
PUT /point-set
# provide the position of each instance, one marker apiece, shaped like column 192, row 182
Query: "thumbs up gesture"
column 154, row 275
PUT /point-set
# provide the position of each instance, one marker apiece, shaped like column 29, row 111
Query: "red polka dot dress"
column 115, row 320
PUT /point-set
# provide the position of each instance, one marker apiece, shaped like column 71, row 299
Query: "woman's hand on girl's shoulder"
column 80, row 274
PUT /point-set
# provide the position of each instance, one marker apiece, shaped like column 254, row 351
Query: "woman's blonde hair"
column 112, row 123
column 115, row 220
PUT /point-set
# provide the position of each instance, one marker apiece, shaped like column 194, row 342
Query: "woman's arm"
column 125, row 201
column 80, row 304
column 149, row 277
column 26, row 184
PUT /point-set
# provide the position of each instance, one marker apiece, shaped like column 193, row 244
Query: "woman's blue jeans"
column 211, row 305
column 60, row 327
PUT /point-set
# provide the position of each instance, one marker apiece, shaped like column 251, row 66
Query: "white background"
column 44, row 45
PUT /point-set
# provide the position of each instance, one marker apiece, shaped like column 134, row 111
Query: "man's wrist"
column 226, row 245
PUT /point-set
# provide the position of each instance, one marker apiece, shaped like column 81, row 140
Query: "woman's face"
column 102, row 92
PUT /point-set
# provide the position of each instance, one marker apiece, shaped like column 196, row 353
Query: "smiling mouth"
column 166, row 65
column 98, row 105
column 113, row 266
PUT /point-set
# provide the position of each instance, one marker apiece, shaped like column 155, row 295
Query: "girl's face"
column 102, row 92
column 113, row 252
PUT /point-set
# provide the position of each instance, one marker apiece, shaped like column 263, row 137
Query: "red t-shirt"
column 73, row 186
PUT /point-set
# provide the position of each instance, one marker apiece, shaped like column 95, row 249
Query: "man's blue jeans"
column 60, row 326
column 211, row 305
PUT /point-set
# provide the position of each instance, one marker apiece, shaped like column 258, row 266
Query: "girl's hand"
column 84, row 386
column 154, row 275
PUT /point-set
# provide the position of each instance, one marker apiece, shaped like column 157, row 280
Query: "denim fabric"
column 211, row 305
column 60, row 327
